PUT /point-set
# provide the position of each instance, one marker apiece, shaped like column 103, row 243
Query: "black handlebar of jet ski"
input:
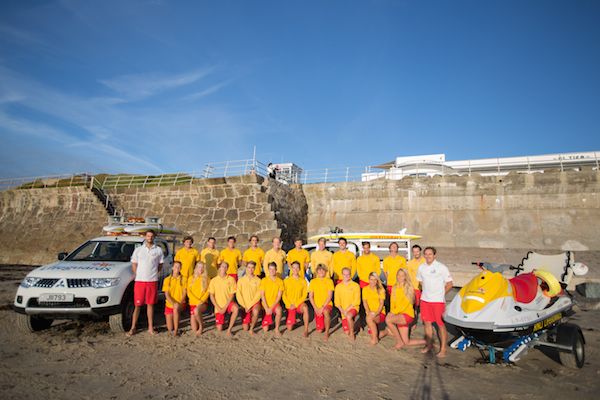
column 494, row 267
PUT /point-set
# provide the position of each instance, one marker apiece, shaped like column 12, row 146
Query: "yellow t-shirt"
column 366, row 264
column 257, row 255
column 347, row 295
column 222, row 289
column 373, row 298
column 188, row 260
column 278, row 257
column 399, row 303
column 302, row 256
column 391, row 265
column 320, row 288
column 232, row 258
column 412, row 266
column 209, row 257
column 197, row 293
column 175, row 287
column 343, row 259
column 321, row 257
column 295, row 291
column 271, row 289
column 248, row 291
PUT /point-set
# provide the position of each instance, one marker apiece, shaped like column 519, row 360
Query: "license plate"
column 56, row 298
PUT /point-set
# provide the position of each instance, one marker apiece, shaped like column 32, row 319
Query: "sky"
column 156, row 86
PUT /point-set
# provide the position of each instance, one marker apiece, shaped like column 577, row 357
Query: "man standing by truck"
column 146, row 262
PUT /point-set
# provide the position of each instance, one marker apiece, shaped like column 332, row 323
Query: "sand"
column 85, row 360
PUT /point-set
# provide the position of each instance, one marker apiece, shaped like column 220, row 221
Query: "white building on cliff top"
column 436, row 164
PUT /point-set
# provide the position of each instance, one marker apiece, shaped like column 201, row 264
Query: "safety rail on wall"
column 49, row 181
column 347, row 174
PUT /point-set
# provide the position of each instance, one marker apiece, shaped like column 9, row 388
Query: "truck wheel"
column 28, row 323
column 570, row 335
column 121, row 322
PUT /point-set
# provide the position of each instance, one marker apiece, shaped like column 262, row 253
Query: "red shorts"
column 320, row 319
column 193, row 308
column 363, row 284
column 345, row 326
column 168, row 310
column 381, row 320
column 291, row 314
column 145, row 293
column 417, row 297
column 432, row 312
column 409, row 320
column 268, row 319
column 234, row 276
column 248, row 315
column 220, row 318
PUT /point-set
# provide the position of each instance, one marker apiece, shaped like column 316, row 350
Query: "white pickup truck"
column 94, row 281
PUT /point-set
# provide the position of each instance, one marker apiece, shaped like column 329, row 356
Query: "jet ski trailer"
column 504, row 318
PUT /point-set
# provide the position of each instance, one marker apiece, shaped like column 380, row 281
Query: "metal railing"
column 49, row 181
column 325, row 175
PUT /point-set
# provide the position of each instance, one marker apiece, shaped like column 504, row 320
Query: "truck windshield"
column 104, row 251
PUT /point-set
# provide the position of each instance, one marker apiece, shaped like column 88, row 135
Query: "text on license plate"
column 56, row 298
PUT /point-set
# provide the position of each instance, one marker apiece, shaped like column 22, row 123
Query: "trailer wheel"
column 28, row 323
column 570, row 335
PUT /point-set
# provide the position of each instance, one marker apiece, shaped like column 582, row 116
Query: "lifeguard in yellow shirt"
column 209, row 256
column 174, row 286
column 232, row 256
column 275, row 255
column 248, row 297
column 402, row 312
column 295, row 291
column 341, row 259
column 412, row 266
column 222, row 290
column 299, row 255
column 271, row 290
column 391, row 265
column 367, row 263
column 320, row 294
column 323, row 257
column 197, row 291
column 347, row 301
column 255, row 254
column 373, row 297
column 188, row 256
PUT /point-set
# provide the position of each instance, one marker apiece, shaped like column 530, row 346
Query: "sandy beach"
column 85, row 360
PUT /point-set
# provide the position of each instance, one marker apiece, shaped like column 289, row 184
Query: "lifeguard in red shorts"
column 175, row 288
column 373, row 298
column 248, row 297
column 271, row 290
column 402, row 312
column 197, row 292
column 435, row 281
column 295, row 291
column 222, row 289
column 320, row 293
column 366, row 264
column 146, row 263
column 347, row 301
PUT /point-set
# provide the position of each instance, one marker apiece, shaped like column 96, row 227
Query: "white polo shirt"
column 147, row 260
column 433, row 278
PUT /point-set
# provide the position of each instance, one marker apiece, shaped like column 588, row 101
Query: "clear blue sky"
column 150, row 86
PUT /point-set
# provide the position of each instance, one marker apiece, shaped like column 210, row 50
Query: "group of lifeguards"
column 211, row 274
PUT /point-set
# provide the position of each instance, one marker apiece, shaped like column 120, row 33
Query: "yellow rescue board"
column 364, row 236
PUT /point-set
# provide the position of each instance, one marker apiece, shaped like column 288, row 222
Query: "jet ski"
column 504, row 317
